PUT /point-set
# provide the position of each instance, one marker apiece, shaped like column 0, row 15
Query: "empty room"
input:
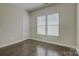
column 39, row 29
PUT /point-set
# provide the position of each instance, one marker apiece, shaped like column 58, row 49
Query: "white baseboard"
column 54, row 43
column 1, row 46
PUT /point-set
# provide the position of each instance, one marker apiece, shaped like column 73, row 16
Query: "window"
column 41, row 25
column 53, row 24
column 48, row 25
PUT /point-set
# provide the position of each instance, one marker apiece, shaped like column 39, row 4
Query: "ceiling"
column 31, row 6
column 28, row 6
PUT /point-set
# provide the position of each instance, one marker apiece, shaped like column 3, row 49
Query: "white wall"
column 67, row 27
column 78, row 25
column 14, row 24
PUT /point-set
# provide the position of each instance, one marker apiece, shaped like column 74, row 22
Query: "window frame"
column 46, row 26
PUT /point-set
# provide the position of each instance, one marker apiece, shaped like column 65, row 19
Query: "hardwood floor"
column 36, row 48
